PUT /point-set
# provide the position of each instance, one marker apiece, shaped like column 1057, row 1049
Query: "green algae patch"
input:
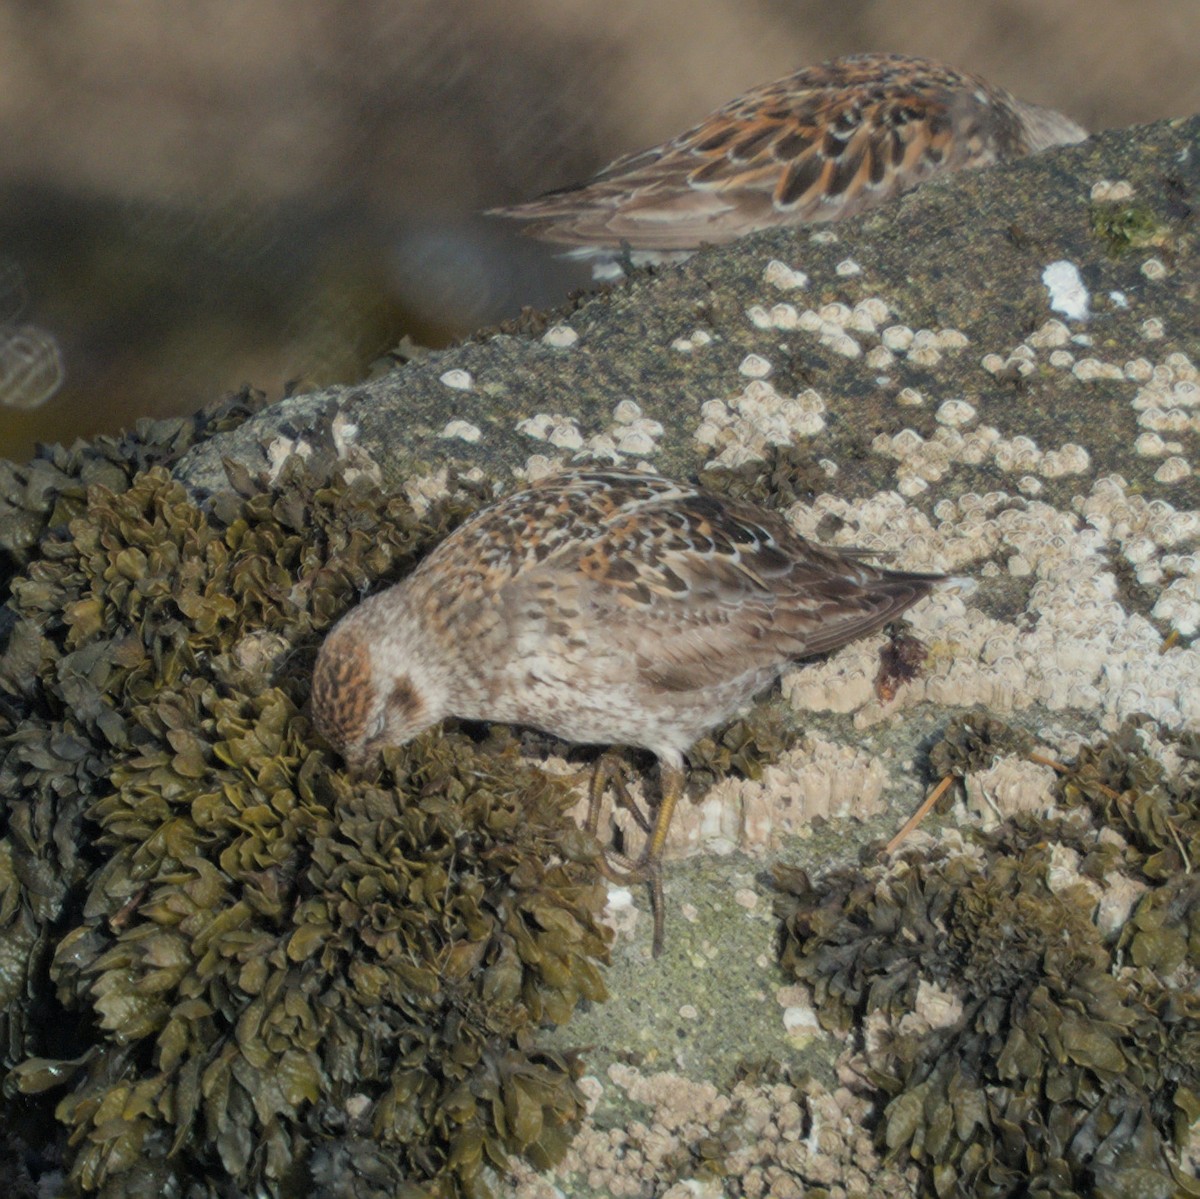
column 1123, row 227
column 222, row 958
column 1023, row 1002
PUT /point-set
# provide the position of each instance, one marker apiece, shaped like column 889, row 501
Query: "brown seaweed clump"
column 972, row 743
column 1015, row 1044
column 51, row 767
column 230, row 967
column 52, row 488
column 743, row 747
column 786, row 475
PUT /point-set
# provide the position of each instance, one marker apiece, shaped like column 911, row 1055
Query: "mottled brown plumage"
column 604, row 607
column 819, row 145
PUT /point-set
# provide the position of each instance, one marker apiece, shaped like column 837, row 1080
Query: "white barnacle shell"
column 561, row 337
column 955, row 412
column 754, row 366
column 1173, row 470
column 836, row 314
column 458, row 379
column 462, row 430
column 786, row 278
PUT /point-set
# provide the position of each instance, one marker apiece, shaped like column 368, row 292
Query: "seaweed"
column 786, row 475
column 231, row 963
column 743, row 747
column 1123, row 227
column 1066, row 1059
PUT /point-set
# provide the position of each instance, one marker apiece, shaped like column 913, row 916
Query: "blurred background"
column 203, row 194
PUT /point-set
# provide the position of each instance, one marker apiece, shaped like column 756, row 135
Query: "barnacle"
column 247, row 965
column 1071, row 1063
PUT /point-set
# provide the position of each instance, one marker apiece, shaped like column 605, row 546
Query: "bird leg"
column 648, row 866
column 610, row 768
column 650, row 863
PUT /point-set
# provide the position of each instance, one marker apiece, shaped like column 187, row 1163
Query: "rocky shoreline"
column 996, row 378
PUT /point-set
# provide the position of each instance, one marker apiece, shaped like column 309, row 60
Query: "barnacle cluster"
column 1060, row 1053
column 766, row 1135
column 223, row 961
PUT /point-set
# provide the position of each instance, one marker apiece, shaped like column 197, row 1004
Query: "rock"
column 917, row 382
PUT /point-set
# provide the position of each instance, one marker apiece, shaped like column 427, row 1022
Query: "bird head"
column 372, row 685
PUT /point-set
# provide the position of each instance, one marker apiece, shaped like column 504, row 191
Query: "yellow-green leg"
column 648, row 866
column 610, row 768
column 650, row 863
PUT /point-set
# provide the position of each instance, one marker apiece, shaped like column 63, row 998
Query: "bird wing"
column 692, row 588
column 702, row 590
column 820, row 145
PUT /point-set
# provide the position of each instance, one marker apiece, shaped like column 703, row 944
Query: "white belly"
column 596, row 706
